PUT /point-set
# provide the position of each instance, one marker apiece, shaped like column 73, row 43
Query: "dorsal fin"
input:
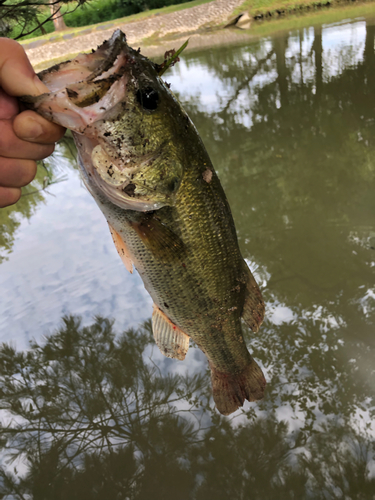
column 122, row 249
column 172, row 341
column 253, row 308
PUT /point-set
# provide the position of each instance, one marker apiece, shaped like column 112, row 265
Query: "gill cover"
column 110, row 99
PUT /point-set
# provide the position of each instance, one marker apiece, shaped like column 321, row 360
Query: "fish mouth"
column 87, row 88
column 85, row 67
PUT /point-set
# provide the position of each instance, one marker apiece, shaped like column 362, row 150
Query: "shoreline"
column 189, row 20
column 200, row 23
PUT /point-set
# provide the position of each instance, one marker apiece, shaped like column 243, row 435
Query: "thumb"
column 17, row 76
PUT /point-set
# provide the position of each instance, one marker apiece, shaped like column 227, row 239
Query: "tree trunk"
column 58, row 20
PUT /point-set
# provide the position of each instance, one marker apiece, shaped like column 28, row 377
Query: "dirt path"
column 183, row 21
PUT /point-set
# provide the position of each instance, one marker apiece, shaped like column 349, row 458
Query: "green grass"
column 269, row 8
column 311, row 18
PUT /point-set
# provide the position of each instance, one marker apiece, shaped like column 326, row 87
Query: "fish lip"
column 116, row 44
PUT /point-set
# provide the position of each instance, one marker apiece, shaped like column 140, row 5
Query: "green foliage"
column 25, row 17
column 98, row 11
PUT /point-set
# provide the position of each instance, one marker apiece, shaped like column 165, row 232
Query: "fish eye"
column 148, row 98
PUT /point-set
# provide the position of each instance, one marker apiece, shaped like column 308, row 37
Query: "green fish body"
column 148, row 170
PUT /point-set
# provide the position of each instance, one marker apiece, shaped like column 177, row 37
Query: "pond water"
column 289, row 122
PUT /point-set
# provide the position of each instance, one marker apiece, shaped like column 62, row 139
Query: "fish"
column 143, row 161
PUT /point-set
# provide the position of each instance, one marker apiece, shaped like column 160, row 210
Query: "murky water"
column 289, row 123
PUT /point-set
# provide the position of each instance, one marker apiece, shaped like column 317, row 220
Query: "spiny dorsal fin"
column 172, row 341
column 122, row 249
column 253, row 308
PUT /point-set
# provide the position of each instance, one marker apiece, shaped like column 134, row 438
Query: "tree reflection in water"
column 86, row 400
column 93, row 418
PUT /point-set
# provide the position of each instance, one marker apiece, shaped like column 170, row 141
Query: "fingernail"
column 30, row 130
column 41, row 88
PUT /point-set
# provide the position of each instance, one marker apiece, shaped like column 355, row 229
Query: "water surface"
column 289, row 122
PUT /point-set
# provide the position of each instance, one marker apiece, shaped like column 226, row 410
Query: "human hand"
column 24, row 136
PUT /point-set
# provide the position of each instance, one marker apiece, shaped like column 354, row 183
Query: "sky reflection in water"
column 289, row 123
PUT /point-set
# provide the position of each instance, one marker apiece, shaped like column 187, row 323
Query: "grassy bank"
column 312, row 17
column 263, row 9
column 279, row 14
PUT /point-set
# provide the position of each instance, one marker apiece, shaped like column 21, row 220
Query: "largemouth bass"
column 144, row 163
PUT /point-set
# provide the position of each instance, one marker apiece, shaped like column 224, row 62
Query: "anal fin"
column 172, row 341
column 121, row 249
column 253, row 308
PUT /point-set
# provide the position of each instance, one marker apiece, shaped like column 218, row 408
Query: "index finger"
column 17, row 76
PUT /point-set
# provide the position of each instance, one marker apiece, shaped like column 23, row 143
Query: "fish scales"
column 148, row 170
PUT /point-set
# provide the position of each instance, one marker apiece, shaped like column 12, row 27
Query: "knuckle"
column 4, row 138
column 9, row 196
column 51, row 132
column 10, row 46
column 15, row 173
column 44, row 150
column 27, row 173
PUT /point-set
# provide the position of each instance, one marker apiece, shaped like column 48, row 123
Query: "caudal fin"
column 231, row 390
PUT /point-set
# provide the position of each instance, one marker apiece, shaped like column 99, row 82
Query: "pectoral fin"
column 172, row 341
column 253, row 309
column 162, row 242
column 121, row 249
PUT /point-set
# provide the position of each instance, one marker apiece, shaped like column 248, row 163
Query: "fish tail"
column 231, row 389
